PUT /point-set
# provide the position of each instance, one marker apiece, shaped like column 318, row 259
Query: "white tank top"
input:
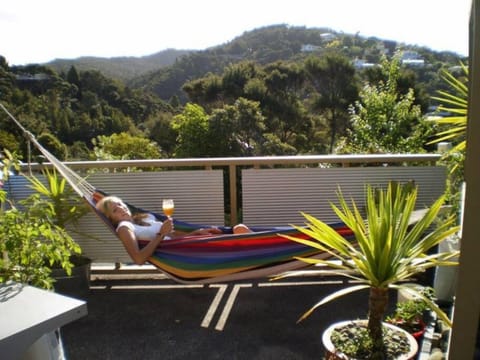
column 144, row 232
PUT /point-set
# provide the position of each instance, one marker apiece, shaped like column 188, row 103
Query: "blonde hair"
column 103, row 205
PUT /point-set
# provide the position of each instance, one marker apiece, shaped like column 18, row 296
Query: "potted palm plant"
column 388, row 250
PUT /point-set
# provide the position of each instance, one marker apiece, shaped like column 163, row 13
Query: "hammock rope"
column 79, row 184
column 205, row 259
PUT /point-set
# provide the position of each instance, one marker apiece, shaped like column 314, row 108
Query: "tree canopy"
column 273, row 91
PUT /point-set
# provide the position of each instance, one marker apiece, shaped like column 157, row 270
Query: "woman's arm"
column 129, row 240
column 202, row 231
column 237, row 229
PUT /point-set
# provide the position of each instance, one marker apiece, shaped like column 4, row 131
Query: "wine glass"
column 168, row 207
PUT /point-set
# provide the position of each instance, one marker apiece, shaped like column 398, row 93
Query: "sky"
column 33, row 31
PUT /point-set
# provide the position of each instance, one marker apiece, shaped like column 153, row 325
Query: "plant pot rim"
column 416, row 334
column 330, row 348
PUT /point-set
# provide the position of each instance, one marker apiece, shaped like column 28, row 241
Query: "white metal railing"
column 273, row 190
column 233, row 163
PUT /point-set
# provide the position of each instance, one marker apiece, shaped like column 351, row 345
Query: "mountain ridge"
column 120, row 67
column 165, row 72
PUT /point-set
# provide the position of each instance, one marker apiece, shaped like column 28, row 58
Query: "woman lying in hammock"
column 131, row 228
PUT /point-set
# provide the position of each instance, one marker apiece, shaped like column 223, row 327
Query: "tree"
column 73, row 77
column 222, row 127
column 8, row 141
column 238, row 129
column 78, row 151
column 249, row 125
column 333, row 79
column 192, row 128
column 236, row 77
column 52, row 144
column 161, row 131
column 124, row 146
column 383, row 121
column 206, row 91
column 285, row 114
column 407, row 79
column 7, row 80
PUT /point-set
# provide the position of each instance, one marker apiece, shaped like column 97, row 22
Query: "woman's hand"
column 167, row 227
column 207, row 231
column 214, row 230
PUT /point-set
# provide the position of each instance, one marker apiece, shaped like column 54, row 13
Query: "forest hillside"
column 271, row 91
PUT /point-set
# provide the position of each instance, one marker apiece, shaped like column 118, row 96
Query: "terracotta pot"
column 419, row 331
column 418, row 335
column 332, row 354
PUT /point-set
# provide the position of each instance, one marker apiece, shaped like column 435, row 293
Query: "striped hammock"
column 226, row 257
column 206, row 258
column 232, row 257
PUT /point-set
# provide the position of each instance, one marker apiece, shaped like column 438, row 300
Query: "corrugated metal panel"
column 275, row 197
column 198, row 198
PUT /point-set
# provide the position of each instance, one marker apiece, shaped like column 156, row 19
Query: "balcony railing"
column 232, row 164
column 260, row 191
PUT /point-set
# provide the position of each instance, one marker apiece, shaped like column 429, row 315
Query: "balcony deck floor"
column 159, row 319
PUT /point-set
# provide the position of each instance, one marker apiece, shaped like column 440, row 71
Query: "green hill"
column 121, row 68
column 271, row 44
column 165, row 72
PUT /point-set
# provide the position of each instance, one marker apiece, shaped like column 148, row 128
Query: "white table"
column 27, row 313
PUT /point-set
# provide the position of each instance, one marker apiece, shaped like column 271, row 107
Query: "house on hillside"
column 32, row 77
column 362, row 64
column 412, row 58
column 310, row 48
column 328, row 37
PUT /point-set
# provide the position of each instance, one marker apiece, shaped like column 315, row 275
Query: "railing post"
column 232, row 172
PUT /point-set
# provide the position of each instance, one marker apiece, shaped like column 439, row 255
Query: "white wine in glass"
column 168, row 207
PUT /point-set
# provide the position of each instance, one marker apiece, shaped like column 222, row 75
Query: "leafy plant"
column 30, row 242
column 65, row 205
column 30, row 245
column 56, row 200
column 409, row 313
column 384, row 120
column 387, row 251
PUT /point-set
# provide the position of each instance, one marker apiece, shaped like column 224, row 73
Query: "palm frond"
column 454, row 102
column 447, row 98
column 331, row 297
column 452, row 120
